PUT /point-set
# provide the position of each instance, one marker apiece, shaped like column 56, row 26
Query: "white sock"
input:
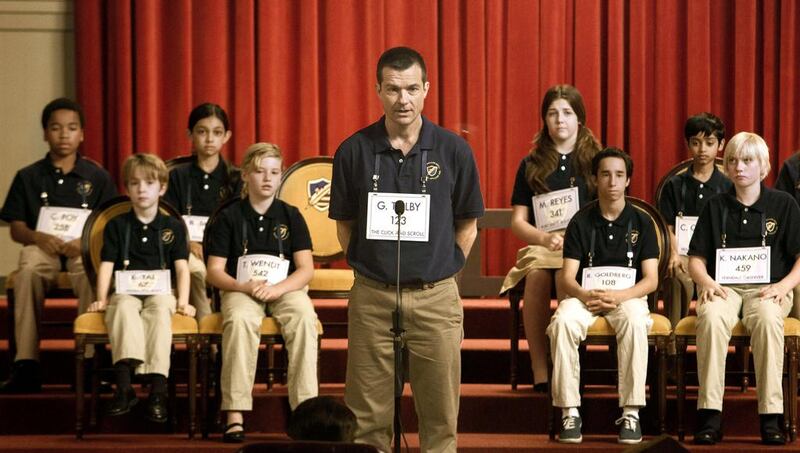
column 633, row 411
column 569, row 412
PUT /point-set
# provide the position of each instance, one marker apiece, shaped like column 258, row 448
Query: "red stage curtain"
column 300, row 73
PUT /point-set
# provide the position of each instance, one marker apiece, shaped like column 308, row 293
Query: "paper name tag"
column 143, row 283
column 608, row 277
column 196, row 225
column 743, row 265
column 271, row 268
column 64, row 223
column 684, row 229
column 382, row 221
column 553, row 211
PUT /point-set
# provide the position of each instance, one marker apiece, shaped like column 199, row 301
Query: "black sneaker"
column 26, row 377
column 630, row 430
column 771, row 432
column 570, row 430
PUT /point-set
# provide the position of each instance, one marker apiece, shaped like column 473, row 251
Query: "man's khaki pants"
column 141, row 329
column 568, row 327
column 433, row 320
column 197, row 287
column 764, row 321
column 37, row 273
column 242, row 316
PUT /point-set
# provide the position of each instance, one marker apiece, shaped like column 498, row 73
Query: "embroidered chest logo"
column 319, row 193
column 634, row 237
column 772, row 226
column 281, row 232
column 167, row 236
column 84, row 188
column 433, row 170
column 224, row 193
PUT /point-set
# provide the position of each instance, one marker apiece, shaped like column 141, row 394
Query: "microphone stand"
column 398, row 330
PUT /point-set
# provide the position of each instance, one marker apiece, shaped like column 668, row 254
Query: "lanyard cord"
column 423, row 179
column 629, row 253
column 725, row 227
column 126, row 251
column 244, row 240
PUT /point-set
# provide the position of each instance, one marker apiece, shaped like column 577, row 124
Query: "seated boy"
column 46, row 207
column 744, row 259
column 142, row 250
column 683, row 199
column 610, row 266
column 259, row 255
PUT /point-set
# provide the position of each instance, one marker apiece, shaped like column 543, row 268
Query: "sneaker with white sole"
column 570, row 430
column 630, row 430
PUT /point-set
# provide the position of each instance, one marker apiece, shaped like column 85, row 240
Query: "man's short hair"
column 322, row 418
column 150, row 164
column 612, row 152
column 61, row 104
column 401, row 58
column 706, row 123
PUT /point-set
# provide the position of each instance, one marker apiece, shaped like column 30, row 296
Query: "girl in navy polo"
column 552, row 183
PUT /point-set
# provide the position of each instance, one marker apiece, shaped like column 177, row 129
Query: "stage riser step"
column 484, row 409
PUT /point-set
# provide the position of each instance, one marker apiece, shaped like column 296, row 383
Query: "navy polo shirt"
column 282, row 222
column 143, row 246
column 191, row 185
column 87, row 183
column 695, row 194
column 743, row 229
column 453, row 185
column 563, row 177
column 789, row 177
column 611, row 242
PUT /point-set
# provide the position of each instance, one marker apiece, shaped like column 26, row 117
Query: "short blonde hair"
column 150, row 164
column 253, row 156
column 748, row 145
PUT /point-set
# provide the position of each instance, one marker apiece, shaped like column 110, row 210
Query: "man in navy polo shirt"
column 610, row 266
column 403, row 156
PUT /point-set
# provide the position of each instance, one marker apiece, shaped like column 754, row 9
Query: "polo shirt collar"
column 715, row 178
column 424, row 142
column 217, row 173
column 82, row 167
column 157, row 223
column 759, row 206
column 249, row 213
column 621, row 220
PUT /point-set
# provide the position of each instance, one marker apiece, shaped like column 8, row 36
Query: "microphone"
column 399, row 207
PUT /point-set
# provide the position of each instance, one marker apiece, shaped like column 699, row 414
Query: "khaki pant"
column 681, row 290
column 433, row 321
column 242, row 316
column 764, row 321
column 37, row 273
column 197, row 287
column 141, row 329
column 571, row 321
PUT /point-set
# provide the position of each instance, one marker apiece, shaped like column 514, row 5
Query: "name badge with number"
column 64, row 223
column 382, row 220
column 608, row 277
column 196, row 225
column 553, row 211
column 684, row 229
column 743, row 265
column 143, row 283
column 271, row 268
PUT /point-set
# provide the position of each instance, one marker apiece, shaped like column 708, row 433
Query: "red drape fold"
column 302, row 74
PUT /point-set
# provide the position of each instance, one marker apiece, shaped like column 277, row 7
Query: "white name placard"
column 684, row 229
column 196, row 225
column 608, row 277
column 743, row 265
column 64, row 223
column 143, row 283
column 382, row 221
column 271, row 268
column 553, row 211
